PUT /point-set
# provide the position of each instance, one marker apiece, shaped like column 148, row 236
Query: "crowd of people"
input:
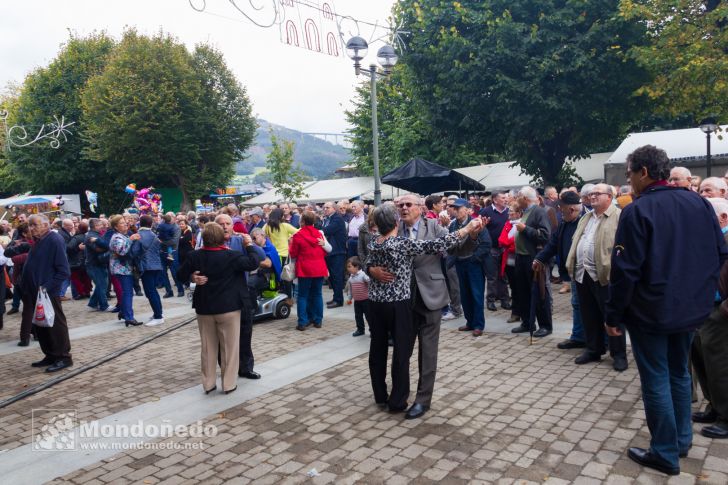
column 641, row 259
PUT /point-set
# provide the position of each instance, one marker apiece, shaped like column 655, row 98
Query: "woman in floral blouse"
column 389, row 302
column 121, row 267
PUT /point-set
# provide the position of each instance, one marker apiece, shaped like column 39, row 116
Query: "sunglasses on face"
column 402, row 205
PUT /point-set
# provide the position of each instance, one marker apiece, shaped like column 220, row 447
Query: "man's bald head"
column 680, row 177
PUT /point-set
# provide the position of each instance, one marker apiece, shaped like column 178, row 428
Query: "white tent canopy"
column 687, row 144
column 505, row 176
column 331, row 190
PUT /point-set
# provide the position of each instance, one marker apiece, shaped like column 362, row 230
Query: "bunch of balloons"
column 145, row 200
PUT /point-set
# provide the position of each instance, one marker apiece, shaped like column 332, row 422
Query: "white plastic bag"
column 44, row 314
column 288, row 272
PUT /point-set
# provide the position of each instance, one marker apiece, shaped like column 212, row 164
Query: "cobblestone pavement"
column 503, row 412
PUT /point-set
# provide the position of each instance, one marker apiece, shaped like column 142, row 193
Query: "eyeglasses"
column 402, row 205
column 597, row 194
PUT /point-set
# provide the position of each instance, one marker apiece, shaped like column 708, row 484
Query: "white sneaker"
column 154, row 322
column 448, row 316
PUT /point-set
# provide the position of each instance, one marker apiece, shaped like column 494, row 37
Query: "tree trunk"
column 186, row 201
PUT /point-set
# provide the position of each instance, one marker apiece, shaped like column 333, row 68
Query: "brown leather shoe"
column 477, row 332
column 465, row 328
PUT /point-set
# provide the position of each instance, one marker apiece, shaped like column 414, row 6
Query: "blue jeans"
column 472, row 289
column 149, row 282
column 17, row 297
column 662, row 362
column 64, row 288
column 310, row 301
column 127, row 289
column 577, row 327
column 100, row 277
column 172, row 266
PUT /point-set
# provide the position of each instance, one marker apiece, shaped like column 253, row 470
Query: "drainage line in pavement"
column 91, row 365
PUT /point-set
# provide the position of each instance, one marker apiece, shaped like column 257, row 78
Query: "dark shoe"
column 492, row 307
column 477, row 332
column 620, row 364
column 133, row 323
column 301, row 327
column 718, row 431
column 181, row 294
column 513, row 319
column 210, row 390
column 707, row 416
column 587, row 357
column 231, row 390
column 139, row 293
column 541, row 332
column 520, row 329
column 334, row 304
column 168, row 295
column 78, row 297
column 416, row 411
column 317, row 325
column 570, row 344
column 506, row 305
column 646, row 458
column 24, row 342
column 382, row 405
column 249, row 374
column 358, row 333
column 465, row 328
column 13, row 311
column 330, row 302
column 60, row 364
column 44, row 363
column 397, row 409
column 556, row 280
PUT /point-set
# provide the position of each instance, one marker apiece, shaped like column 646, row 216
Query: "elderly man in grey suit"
column 429, row 295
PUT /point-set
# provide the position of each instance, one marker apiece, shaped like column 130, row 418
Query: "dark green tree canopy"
column 536, row 80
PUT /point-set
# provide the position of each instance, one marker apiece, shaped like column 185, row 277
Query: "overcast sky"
column 289, row 86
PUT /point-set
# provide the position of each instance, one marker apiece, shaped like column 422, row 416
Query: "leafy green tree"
column 286, row 179
column 535, row 80
column 56, row 90
column 9, row 182
column 686, row 55
column 161, row 115
column 405, row 130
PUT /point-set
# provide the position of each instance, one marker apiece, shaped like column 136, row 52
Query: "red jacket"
column 310, row 262
column 508, row 243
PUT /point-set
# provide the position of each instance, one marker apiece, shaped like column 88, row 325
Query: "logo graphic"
column 55, row 433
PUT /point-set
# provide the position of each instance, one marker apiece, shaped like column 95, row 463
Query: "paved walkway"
column 503, row 412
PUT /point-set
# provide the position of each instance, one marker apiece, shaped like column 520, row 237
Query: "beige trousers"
column 220, row 332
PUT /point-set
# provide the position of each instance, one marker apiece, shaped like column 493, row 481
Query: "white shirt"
column 354, row 225
column 585, row 251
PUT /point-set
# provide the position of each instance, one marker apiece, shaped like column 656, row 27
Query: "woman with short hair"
column 120, row 266
column 218, row 302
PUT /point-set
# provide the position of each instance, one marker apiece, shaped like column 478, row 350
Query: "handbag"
column 44, row 314
column 288, row 273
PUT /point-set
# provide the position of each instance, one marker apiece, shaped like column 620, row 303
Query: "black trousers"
column 335, row 264
column 529, row 309
column 247, row 361
column 54, row 342
column 710, row 362
column 511, row 277
column 592, row 297
column 361, row 308
column 393, row 319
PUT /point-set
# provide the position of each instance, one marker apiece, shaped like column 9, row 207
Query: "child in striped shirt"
column 358, row 289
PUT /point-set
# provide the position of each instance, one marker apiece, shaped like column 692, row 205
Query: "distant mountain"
column 316, row 157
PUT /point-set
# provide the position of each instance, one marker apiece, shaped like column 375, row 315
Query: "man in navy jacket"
column 47, row 267
column 667, row 253
column 334, row 228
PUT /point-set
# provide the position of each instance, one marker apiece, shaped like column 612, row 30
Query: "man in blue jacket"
column 470, row 267
column 559, row 245
column 664, row 275
column 334, row 228
column 47, row 267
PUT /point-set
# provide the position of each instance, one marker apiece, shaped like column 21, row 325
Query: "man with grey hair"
column 97, row 265
column 47, row 268
column 334, row 228
column 680, row 177
column 713, row 187
column 585, row 201
column 358, row 218
column 532, row 233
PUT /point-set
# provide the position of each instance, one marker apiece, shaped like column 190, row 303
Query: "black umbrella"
column 423, row 177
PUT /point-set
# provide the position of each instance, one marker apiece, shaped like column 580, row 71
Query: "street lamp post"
column 708, row 126
column 356, row 49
